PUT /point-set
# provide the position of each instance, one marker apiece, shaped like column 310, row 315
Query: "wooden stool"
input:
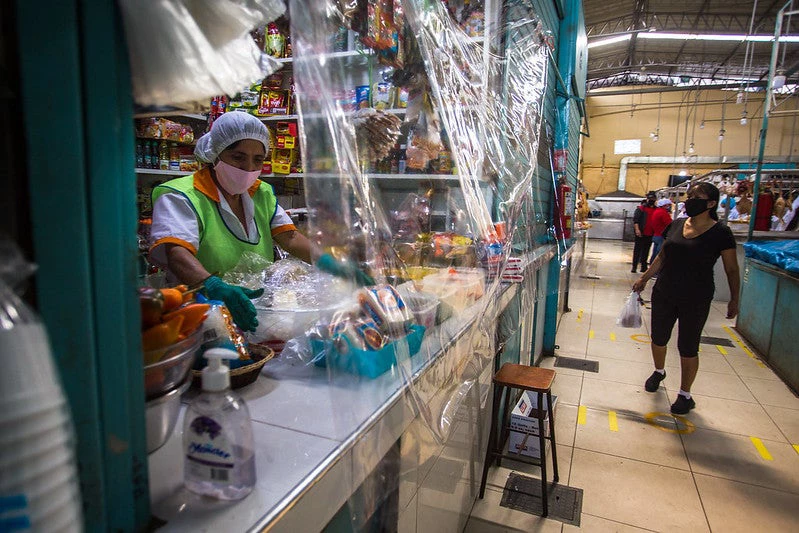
column 530, row 378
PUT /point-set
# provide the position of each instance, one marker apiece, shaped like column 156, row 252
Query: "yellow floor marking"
column 613, row 422
column 762, row 449
column 796, row 447
column 748, row 351
column 684, row 426
column 591, row 334
column 581, row 414
column 641, row 337
column 721, row 349
column 733, row 335
column 612, row 336
column 761, row 365
column 580, row 315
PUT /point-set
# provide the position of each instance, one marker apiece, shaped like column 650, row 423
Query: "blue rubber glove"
column 344, row 269
column 237, row 300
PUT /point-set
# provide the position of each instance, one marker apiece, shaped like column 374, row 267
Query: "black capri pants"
column 692, row 314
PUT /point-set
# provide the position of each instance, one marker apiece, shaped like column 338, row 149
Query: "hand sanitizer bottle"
column 217, row 436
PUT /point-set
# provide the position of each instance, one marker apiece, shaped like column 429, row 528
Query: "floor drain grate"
column 577, row 364
column 523, row 493
column 721, row 341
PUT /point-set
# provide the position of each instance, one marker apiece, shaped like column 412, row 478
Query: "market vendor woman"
column 203, row 223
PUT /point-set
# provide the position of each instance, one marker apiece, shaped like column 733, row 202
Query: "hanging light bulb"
column 656, row 136
column 743, row 117
column 739, row 99
column 691, row 148
column 721, row 134
column 702, row 125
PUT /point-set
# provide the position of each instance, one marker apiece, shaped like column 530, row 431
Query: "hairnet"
column 228, row 129
column 663, row 202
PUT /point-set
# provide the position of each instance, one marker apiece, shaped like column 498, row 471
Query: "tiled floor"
column 735, row 469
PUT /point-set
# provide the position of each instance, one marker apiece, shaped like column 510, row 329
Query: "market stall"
column 411, row 131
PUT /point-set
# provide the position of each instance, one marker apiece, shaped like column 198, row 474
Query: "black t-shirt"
column 688, row 267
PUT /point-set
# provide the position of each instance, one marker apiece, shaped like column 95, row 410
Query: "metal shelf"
column 157, row 171
column 277, row 118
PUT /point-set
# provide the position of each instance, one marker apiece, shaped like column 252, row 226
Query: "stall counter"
column 318, row 435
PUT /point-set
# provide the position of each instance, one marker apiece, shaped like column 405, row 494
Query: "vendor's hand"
column 637, row 233
column 732, row 309
column 344, row 269
column 236, row 299
column 639, row 285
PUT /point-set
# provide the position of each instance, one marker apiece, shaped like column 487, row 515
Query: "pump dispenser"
column 217, row 435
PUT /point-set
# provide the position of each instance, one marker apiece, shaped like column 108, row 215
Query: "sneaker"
column 633, row 270
column 682, row 405
column 653, row 381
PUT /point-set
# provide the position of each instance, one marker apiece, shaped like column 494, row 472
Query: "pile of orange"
column 168, row 316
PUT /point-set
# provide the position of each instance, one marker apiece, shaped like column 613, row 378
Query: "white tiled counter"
column 318, row 435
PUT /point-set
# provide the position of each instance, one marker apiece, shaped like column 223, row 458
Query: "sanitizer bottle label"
column 209, row 454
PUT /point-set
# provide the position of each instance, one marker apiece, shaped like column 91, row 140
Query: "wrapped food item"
column 358, row 332
column 384, row 305
column 377, row 131
column 219, row 330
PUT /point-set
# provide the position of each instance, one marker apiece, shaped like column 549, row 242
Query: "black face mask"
column 695, row 206
column 650, row 203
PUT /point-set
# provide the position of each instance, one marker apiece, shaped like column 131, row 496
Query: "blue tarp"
column 782, row 254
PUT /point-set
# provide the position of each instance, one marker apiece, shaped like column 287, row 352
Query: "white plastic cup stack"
column 38, row 477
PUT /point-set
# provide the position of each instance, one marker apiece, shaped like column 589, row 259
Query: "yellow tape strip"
column 721, row 349
column 796, row 447
column 581, row 414
column 591, row 334
column 761, row 365
column 731, row 334
column 762, row 449
column 580, row 315
column 612, row 336
column 613, row 422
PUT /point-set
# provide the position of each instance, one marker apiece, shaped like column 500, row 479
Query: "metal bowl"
column 172, row 366
column 161, row 414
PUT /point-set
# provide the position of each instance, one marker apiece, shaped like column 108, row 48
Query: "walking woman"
column 684, row 287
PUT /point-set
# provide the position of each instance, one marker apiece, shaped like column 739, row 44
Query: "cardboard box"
column 521, row 423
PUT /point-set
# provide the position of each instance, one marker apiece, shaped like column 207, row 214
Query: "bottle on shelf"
column 146, row 154
column 153, row 155
column 174, row 157
column 402, row 164
column 139, row 154
column 163, row 156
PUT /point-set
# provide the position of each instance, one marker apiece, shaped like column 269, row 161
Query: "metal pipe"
column 764, row 125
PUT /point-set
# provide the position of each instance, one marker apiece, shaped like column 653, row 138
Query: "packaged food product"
column 219, row 330
column 274, row 41
column 384, row 305
column 362, row 96
column 273, row 102
column 381, row 95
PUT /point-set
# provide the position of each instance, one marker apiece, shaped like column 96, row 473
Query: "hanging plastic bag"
column 173, row 62
column 630, row 316
column 224, row 20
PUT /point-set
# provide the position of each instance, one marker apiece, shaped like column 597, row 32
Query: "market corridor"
column 733, row 467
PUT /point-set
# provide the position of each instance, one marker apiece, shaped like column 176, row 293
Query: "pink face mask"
column 233, row 179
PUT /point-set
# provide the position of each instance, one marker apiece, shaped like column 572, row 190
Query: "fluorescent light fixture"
column 609, row 40
column 683, row 173
column 738, row 37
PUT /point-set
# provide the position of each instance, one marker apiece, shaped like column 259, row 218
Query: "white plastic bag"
column 630, row 316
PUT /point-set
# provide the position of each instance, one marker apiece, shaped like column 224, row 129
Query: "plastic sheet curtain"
column 456, row 245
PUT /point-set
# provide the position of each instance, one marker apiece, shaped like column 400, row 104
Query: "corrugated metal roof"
column 641, row 60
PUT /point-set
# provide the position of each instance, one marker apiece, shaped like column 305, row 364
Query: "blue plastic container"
column 369, row 363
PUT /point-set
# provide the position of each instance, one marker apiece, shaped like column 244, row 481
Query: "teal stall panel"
column 758, row 298
column 784, row 353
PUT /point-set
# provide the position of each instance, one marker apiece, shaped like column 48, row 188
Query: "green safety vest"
column 220, row 250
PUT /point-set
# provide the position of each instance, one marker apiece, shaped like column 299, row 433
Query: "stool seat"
column 525, row 377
